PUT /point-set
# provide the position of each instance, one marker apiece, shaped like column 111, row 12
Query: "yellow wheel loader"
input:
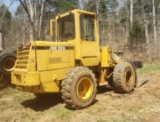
column 73, row 64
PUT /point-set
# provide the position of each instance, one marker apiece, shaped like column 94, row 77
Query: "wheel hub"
column 84, row 89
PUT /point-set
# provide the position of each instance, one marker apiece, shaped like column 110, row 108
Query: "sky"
column 13, row 7
column 16, row 3
column 121, row 4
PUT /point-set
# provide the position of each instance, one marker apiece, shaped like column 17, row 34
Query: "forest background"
column 131, row 26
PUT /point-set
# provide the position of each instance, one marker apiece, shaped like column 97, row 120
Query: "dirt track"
column 142, row 105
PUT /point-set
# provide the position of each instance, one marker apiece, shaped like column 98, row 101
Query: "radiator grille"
column 22, row 58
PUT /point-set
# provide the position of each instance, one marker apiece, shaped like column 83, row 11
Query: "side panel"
column 53, row 75
column 89, row 53
column 49, row 81
column 40, row 82
column 105, row 57
column 54, row 58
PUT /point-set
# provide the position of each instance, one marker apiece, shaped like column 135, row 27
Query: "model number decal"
column 58, row 48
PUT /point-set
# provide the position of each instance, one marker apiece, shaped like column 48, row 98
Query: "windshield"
column 66, row 29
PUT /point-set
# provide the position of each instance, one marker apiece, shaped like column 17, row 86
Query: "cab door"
column 89, row 40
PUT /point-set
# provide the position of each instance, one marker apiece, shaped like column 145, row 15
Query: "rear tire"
column 124, row 77
column 79, row 88
column 7, row 62
column 110, row 82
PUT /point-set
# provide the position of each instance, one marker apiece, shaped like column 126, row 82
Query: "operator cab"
column 65, row 27
column 79, row 28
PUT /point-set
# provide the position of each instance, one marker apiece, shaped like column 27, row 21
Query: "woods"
column 133, row 22
column 111, row 52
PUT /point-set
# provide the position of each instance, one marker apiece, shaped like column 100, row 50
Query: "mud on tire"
column 79, row 88
column 124, row 77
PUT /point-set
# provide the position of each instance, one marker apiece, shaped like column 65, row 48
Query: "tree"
column 35, row 19
column 131, row 12
column 5, row 18
column 145, row 21
column 61, row 6
column 154, row 21
column 136, row 33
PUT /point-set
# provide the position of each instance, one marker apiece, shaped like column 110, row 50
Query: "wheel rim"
column 129, row 78
column 84, row 89
column 8, row 64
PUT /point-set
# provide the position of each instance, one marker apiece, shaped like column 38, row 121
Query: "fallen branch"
column 141, row 82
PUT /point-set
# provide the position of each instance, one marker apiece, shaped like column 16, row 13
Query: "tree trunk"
column 31, row 11
column 131, row 12
column 40, row 21
column 145, row 22
column 127, row 24
column 154, row 21
column 146, row 31
column 24, row 22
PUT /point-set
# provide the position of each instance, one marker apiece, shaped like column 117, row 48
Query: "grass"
column 63, row 113
column 149, row 68
column 101, row 120
column 25, row 107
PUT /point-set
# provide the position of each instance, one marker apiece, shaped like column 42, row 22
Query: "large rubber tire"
column 7, row 62
column 124, row 77
column 79, row 88
column 136, row 64
column 110, row 81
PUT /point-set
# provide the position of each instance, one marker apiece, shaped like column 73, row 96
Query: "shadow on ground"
column 50, row 100
column 43, row 103
column 104, row 89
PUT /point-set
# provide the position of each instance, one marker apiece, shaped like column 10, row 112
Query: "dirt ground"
column 141, row 105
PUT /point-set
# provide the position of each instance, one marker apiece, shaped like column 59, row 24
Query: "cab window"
column 87, row 27
column 66, row 28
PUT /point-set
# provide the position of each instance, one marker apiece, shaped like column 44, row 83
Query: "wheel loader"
column 73, row 63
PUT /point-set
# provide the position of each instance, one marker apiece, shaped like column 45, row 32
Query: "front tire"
column 79, row 88
column 124, row 77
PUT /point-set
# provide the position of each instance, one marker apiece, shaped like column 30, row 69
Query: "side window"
column 66, row 28
column 53, row 29
column 87, row 27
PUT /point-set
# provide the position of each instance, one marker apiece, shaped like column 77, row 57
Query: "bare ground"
column 141, row 105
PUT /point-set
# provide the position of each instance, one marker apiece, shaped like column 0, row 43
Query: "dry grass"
column 140, row 105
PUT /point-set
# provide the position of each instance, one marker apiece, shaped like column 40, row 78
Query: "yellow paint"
column 102, row 76
column 25, row 78
column 52, row 27
column 42, row 66
column 84, row 89
column 105, row 57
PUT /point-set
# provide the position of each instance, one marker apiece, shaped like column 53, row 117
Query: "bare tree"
column 154, row 21
column 31, row 10
column 131, row 12
column 145, row 22
column 41, row 17
column 31, row 13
